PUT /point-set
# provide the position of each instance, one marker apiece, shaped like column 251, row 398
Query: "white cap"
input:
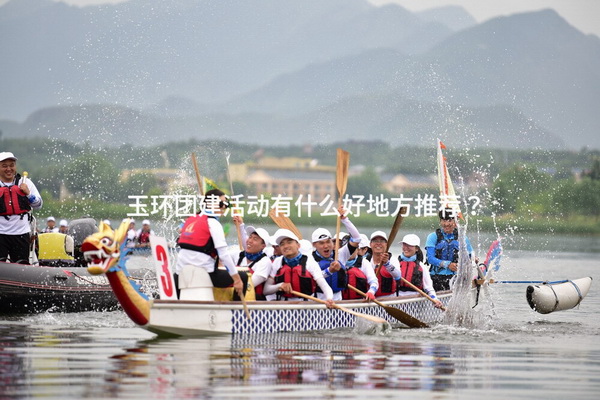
column 106, row 222
column 320, row 234
column 379, row 233
column 306, row 247
column 50, row 219
column 282, row 234
column 262, row 233
column 146, row 222
column 364, row 241
column 411, row 239
column 63, row 222
column 7, row 155
column 130, row 220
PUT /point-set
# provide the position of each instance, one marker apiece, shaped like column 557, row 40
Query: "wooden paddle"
column 341, row 180
column 198, row 177
column 393, row 233
column 371, row 318
column 400, row 315
column 237, row 226
column 422, row 293
column 284, row 222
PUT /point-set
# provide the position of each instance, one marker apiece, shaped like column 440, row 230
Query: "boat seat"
column 195, row 284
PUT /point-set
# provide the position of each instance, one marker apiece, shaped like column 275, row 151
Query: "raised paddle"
column 371, row 318
column 197, row 171
column 396, row 227
column 237, row 226
column 284, row 222
column 341, row 180
column 400, row 315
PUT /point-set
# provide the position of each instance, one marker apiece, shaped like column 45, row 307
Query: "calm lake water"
column 518, row 354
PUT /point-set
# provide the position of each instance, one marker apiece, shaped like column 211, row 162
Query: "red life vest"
column 258, row 290
column 195, row 235
column 358, row 279
column 300, row 279
column 13, row 201
column 144, row 237
column 412, row 272
column 387, row 283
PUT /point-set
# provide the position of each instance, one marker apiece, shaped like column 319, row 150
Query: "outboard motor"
column 79, row 229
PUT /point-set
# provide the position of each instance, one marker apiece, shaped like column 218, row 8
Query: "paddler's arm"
column 317, row 275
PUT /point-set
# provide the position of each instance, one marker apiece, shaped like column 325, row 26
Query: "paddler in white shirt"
column 295, row 271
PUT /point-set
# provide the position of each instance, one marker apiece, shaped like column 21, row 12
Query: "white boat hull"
column 547, row 298
column 197, row 318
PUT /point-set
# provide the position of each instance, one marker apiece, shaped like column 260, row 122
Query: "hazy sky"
column 583, row 14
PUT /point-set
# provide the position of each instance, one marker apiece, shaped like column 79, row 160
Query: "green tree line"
column 522, row 184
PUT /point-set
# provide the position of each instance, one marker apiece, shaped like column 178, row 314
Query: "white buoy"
column 547, row 298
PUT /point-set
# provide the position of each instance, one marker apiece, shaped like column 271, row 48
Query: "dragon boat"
column 188, row 317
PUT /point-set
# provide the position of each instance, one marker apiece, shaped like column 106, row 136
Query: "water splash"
column 460, row 311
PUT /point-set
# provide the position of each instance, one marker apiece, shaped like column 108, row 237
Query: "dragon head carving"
column 101, row 250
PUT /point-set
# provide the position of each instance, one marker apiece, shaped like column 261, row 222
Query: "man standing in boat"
column 442, row 250
column 203, row 245
column 18, row 197
column 294, row 271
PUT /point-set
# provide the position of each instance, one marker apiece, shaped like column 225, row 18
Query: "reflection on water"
column 520, row 354
column 110, row 363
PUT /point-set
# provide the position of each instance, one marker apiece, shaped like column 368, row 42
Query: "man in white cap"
column 50, row 226
column 131, row 233
column 142, row 236
column 387, row 270
column 63, row 227
column 413, row 270
column 254, row 257
column 334, row 271
column 294, row 271
column 18, row 197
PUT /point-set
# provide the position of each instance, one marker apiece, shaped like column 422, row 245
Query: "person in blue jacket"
column 442, row 250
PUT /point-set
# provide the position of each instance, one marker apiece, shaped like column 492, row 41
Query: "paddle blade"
column 197, row 172
column 341, row 176
column 396, row 227
column 405, row 318
column 284, row 222
column 400, row 315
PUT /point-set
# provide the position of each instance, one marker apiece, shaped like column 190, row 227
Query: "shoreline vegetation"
column 528, row 190
column 579, row 225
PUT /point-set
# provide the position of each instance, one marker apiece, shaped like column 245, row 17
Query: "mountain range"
column 283, row 71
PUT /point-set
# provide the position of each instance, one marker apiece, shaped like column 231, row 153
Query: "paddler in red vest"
column 387, row 269
column 203, row 244
column 142, row 236
column 295, row 271
column 255, row 257
column 413, row 269
column 361, row 273
column 18, row 196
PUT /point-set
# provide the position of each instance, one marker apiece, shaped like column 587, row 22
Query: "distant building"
column 289, row 176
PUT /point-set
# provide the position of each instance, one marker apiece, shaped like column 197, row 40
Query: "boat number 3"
column 165, row 275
